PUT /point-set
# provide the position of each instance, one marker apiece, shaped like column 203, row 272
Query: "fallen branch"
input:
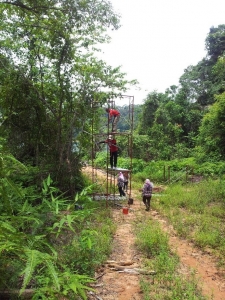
column 99, row 276
column 120, row 263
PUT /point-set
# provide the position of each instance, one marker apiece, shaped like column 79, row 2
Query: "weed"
column 196, row 212
column 151, row 240
column 168, row 282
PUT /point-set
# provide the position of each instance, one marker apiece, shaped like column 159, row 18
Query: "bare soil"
column 118, row 278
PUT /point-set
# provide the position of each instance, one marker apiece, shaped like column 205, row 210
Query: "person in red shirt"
column 114, row 115
column 113, row 150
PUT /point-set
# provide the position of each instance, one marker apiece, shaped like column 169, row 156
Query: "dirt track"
column 121, row 283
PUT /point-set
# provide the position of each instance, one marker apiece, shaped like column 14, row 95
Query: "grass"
column 168, row 282
column 197, row 213
column 91, row 245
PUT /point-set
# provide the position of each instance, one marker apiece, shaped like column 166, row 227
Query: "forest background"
column 49, row 80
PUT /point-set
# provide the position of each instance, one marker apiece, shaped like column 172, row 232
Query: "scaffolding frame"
column 109, row 194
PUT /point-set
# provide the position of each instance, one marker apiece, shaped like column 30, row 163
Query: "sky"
column 159, row 39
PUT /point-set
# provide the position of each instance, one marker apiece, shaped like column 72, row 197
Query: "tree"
column 212, row 130
column 149, row 108
column 215, row 43
column 197, row 82
column 53, row 78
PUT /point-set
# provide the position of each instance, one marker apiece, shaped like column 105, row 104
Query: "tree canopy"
column 177, row 122
column 50, row 78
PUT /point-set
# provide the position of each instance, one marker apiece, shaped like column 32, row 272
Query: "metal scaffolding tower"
column 108, row 188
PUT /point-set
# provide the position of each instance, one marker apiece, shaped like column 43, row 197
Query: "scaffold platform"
column 109, row 197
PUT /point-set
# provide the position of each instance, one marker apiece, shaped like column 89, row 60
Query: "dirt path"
column 211, row 280
column 118, row 280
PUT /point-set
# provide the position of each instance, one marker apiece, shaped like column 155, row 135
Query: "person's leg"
column 144, row 200
column 111, row 159
column 148, row 204
column 115, row 122
column 115, row 154
column 121, row 191
column 113, row 125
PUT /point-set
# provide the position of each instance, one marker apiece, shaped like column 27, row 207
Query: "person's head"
column 110, row 137
column 147, row 181
column 107, row 109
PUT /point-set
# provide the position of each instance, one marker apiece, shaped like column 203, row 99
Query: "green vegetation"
column 197, row 213
column 166, row 282
column 193, row 201
column 49, row 79
column 195, row 206
column 46, row 244
column 52, row 92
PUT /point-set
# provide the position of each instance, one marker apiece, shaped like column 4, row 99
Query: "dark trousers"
column 121, row 191
column 125, row 185
column 113, row 159
column 146, row 201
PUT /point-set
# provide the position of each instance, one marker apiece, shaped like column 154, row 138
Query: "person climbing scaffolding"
column 114, row 116
column 113, row 150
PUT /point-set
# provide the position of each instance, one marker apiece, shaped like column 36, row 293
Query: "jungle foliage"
column 53, row 89
column 49, row 245
column 188, row 120
column 50, row 79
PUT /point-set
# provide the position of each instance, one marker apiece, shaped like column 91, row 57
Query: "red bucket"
column 125, row 210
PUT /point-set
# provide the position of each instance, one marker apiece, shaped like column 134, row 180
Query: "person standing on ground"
column 126, row 176
column 120, row 184
column 114, row 116
column 113, row 150
column 147, row 193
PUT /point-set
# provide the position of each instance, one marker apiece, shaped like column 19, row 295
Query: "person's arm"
column 144, row 188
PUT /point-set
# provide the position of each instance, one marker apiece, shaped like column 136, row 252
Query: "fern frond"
column 16, row 163
column 8, row 246
column 17, row 191
column 4, row 225
column 76, row 283
column 32, row 261
column 53, row 273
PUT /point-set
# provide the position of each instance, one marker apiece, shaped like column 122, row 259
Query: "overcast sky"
column 159, row 39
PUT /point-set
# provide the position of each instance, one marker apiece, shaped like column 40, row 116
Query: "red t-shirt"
column 112, row 145
column 113, row 112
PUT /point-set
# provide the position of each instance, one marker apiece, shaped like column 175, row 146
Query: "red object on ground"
column 125, row 210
